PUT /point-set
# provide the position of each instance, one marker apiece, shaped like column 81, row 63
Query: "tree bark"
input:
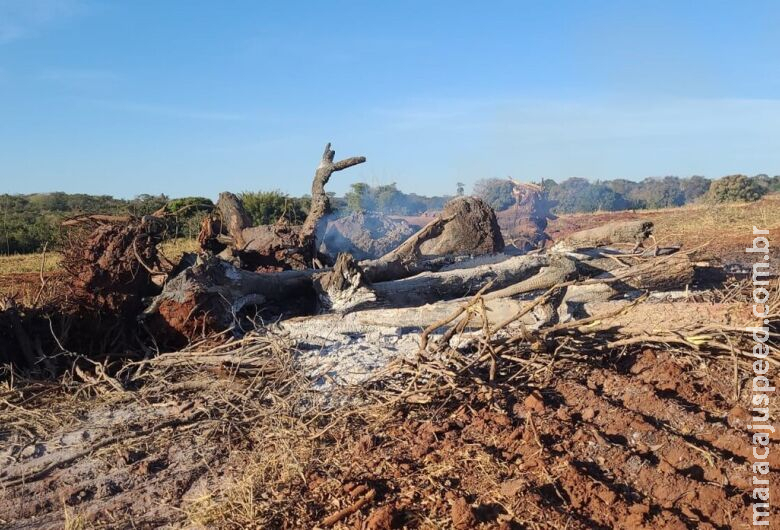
column 211, row 295
column 234, row 218
column 405, row 260
column 320, row 203
column 634, row 232
column 663, row 274
column 466, row 227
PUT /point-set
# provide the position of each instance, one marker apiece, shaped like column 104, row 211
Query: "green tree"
column 658, row 193
column 359, row 197
column 735, row 188
column 695, row 187
column 581, row 195
column 385, row 198
column 146, row 204
column 268, row 207
column 622, row 186
column 496, row 192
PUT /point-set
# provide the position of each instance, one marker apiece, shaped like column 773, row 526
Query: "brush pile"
column 598, row 382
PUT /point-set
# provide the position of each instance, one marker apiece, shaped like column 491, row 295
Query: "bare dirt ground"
column 648, row 439
column 645, row 436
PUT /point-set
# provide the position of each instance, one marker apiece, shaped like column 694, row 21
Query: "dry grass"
column 724, row 228
column 73, row 521
column 174, row 248
column 694, row 224
column 27, row 263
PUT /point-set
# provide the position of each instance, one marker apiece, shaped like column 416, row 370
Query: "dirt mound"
column 524, row 223
column 521, row 230
column 365, row 235
column 474, row 228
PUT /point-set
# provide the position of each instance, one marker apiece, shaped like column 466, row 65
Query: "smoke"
column 389, row 200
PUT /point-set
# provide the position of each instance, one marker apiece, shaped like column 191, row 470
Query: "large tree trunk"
column 625, row 232
column 320, row 203
column 212, row 295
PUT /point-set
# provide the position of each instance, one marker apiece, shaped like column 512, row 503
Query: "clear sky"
column 191, row 97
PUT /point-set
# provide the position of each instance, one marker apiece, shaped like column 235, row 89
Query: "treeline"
column 389, row 199
column 578, row 195
column 27, row 222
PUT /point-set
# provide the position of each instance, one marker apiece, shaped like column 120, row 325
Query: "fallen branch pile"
column 245, row 274
column 472, row 348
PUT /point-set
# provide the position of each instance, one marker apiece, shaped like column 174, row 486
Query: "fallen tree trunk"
column 662, row 274
column 210, row 295
column 428, row 287
column 631, row 232
column 213, row 294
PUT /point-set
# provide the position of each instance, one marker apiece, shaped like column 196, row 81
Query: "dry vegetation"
column 725, row 228
column 234, row 436
column 582, row 425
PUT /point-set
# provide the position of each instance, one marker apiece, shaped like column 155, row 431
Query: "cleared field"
column 724, row 230
column 635, row 418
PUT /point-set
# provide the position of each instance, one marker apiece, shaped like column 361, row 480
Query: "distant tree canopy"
column 736, row 188
column 389, row 199
column 268, row 207
column 27, row 222
column 770, row 184
column 581, row 195
column 656, row 193
column 695, row 187
column 496, row 192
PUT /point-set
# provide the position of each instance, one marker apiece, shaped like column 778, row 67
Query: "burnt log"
column 276, row 247
column 343, row 287
column 466, row 227
column 215, row 295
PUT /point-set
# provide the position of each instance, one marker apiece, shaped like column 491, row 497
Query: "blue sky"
column 195, row 97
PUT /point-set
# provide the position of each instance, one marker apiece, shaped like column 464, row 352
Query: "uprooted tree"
column 247, row 272
column 279, row 246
